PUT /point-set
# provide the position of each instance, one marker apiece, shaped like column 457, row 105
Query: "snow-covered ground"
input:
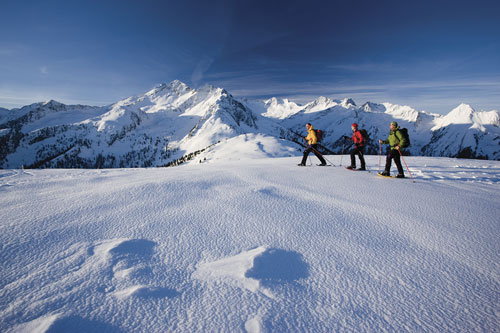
column 252, row 245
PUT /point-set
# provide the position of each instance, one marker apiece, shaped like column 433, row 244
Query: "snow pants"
column 314, row 149
column 394, row 154
column 357, row 151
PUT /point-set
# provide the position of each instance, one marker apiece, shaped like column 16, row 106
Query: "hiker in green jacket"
column 396, row 140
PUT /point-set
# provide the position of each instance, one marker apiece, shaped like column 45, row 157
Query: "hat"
column 354, row 125
column 394, row 123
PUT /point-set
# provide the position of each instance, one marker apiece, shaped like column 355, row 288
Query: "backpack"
column 365, row 136
column 319, row 134
column 404, row 133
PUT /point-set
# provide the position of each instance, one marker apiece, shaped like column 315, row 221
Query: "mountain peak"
column 462, row 114
column 51, row 103
column 373, row 107
column 348, row 102
column 174, row 86
column 178, row 85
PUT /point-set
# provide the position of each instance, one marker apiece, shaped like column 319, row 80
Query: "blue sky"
column 431, row 55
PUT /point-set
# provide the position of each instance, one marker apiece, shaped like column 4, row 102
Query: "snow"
column 253, row 245
column 279, row 109
column 249, row 147
column 320, row 104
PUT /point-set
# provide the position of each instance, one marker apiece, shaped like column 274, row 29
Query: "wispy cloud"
column 44, row 70
column 202, row 66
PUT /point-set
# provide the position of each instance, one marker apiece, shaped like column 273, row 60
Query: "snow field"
column 256, row 245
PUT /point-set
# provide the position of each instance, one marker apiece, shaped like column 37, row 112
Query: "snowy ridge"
column 465, row 114
column 174, row 122
column 280, row 108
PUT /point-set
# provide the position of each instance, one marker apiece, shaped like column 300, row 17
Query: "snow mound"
column 256, row 268
column 248, row 147
column 232, row 270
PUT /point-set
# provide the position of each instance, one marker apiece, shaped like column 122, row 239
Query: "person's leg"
column 306, row 153
column 354, row 151
column 361, row 158
column 318, row 155
column 397, row 161
column 388, row 159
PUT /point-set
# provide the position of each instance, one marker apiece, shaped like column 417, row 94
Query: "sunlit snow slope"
column 257, row 245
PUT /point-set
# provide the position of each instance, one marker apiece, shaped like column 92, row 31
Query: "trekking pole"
column 342, row 156
column 379, row 157
column 323, row 157
column 406, row 165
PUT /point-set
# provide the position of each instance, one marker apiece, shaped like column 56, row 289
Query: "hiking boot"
column 350, row 167
column 301, row 164
column 361, row 169
column 400, row 175
column 385, row 173
column 322, row 164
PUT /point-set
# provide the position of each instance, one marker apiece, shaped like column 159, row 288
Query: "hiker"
column 359, row 145
column 312, row 146
column 395, row 140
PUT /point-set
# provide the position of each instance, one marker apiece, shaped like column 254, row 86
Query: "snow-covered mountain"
column 173, row 123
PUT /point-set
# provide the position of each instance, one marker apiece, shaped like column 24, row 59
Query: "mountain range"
column 173, row 124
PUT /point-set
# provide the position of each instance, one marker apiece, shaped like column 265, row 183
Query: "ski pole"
column 406, row 165
column 379, row 157
column 323, row 157
column 342, row 156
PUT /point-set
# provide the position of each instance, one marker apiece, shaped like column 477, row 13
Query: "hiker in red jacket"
column 359, row 145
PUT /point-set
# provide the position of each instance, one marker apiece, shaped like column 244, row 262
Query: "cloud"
column 44, row 70
column 201, row 67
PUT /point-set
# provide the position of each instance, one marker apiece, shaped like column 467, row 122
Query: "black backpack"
column 365, row 135
column 404, row 134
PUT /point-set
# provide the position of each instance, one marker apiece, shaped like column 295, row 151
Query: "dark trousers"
column 314, row 149
column 394, row 154
column 357, row 151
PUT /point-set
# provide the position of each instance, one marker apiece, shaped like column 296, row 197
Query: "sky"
column 431, row 55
